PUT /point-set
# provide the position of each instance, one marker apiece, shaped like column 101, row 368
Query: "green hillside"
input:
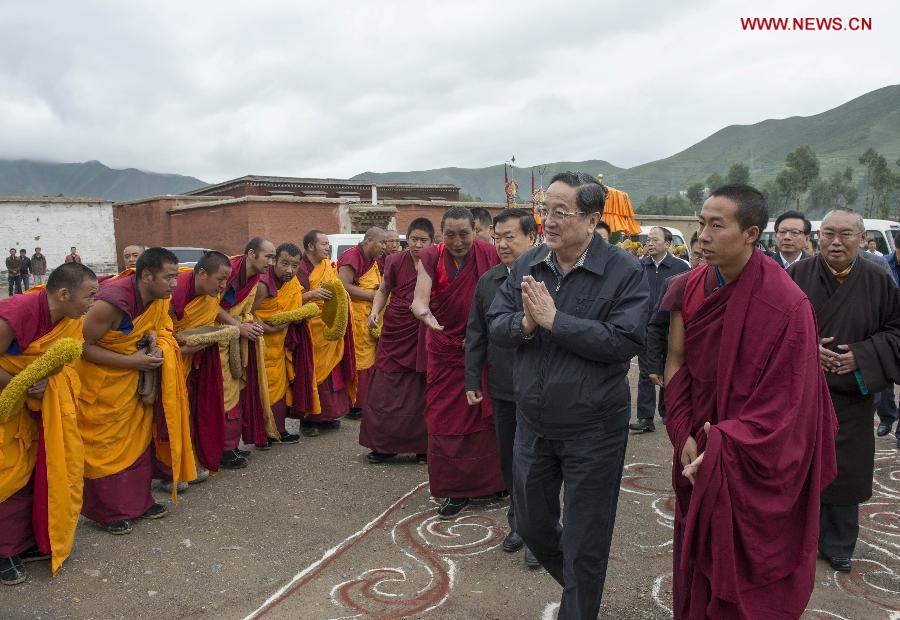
column 488, row 182
column 838, row 136
column 21, row 177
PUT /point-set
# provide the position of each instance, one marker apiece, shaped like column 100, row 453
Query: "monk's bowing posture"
column 393, row 425
column 360, row 272
column 133, row 398
column 462, row 448
column 41, row 453
column 334, row 360
column 857, row 306
column 195, row 304
column 248, row 413
column 289, row 364
column 751, row 422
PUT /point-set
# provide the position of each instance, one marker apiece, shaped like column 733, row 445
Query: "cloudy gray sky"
column 221, row 89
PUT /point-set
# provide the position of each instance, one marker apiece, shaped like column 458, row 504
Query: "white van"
column 342, row 243
column 882, row 231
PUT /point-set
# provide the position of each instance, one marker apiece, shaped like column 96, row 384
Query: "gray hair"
column 860, row 224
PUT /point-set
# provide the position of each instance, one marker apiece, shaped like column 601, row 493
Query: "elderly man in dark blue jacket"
column 575, row 309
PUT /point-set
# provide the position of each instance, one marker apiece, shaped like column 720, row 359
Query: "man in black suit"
column 515, row 231
column 659, row 265
column 792, row 231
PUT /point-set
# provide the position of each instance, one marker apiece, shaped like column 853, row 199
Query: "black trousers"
column 646, row 392
column 838, row 530
column 15, row 285
column 886, row 406
column 504, row 412
column 576, row 554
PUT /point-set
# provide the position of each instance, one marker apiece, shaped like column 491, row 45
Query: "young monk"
column 195, row 303
column 462, row 448
column 335, row 363
column 360, row 273
column 41, row 453
column 751, row 421
column 128, row 332
column 246, row 400
column 289, row 364
column 392, row 425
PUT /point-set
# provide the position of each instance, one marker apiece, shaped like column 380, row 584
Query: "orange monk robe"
column 279, row 360
column 116, row 426
column 63, row 449
column 329, row 360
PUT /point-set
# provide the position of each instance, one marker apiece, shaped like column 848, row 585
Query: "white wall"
column 55, row 226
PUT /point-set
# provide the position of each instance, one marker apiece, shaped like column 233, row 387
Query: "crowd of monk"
column 178, row 371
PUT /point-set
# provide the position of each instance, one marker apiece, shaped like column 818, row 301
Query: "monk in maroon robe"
column 244, row 409
column 392, row 425
column 462, row 448
column 195, row 303
column 751, row 423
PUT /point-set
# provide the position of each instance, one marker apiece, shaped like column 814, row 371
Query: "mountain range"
column 838, row 136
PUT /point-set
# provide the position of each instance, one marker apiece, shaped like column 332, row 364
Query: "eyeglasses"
column 555, row 214
column 847, row 235
column 790, row 232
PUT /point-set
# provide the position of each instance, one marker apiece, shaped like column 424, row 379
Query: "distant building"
column 56, row 224
column 348, row 189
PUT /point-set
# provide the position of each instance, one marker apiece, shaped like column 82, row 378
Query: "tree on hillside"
column 776, row 199
column 738, row 174
column 695, row 193
column 666, row 205
column 801, row 169
column 715, row 181
column 881, row 183
column 836, row 191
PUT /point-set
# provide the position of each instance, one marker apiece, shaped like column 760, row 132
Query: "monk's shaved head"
column 212, row 261
column 375, row 234
column 69, row 276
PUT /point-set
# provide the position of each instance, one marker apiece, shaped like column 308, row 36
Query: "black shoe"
column 118, row 528
column 309, row 431
column 421, row 459
column 287, row 437
column 642, row 427
column 333, row 425
column 355, row 414
column 840, row 564
column 233, row 460
column 883, row 429
column 33, row 555
column 244, row 453
column 530, row 560
column 452, row 507
column 378, row 457
column 513, row 542
column 156, row 511
column 265, row 446
column 11, row 571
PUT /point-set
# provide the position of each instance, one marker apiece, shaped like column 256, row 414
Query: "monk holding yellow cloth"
column 248, row 413
column 128, row 345
column 195, row 304
column 41, row 454
column 289, row 364
column 359, row 271
column 334, row 360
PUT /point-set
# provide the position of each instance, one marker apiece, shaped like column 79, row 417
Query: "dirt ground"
column 313, row 531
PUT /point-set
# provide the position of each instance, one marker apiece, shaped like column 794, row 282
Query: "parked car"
column 677, row 235
column 881, row 231
column 188, row 257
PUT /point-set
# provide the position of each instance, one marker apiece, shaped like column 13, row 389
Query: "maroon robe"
column 746, row 534
column 24, row 513
column 462, row 444
column 125, row 494
column 355, row 258
column 392, row 425
column 334, row 397
column 204, row 383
